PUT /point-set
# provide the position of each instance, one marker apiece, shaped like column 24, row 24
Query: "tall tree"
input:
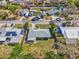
column 77, row 3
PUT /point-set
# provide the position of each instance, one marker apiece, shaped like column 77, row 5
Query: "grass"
column 5, row 51
column 44, row 45
column 39, row 9
column 18, row 26
column 41, row 47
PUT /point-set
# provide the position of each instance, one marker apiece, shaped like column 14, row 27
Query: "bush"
column 49, row 55
column 27, row 56
column 57, row 13
column 52, row 55
column 60, row 56
column 13, row 7
column 16, row 51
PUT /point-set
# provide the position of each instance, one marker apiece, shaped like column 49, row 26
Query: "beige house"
column 71, row 34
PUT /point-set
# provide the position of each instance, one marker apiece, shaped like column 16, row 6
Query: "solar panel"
column 10, row 34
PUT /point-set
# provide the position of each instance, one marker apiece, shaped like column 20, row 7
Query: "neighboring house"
column 23, row 12
column 52, row 12
column 71, row 34
column 12, row 22
column 38, row 33
column 3, row 3
column 11, row 35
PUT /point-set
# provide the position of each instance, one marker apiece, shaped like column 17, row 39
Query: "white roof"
column 32, row 39
column 52, row 11
column 14, row 39
column 70, row 32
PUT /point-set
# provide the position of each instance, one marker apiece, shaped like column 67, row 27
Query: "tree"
column 77, row 3
column 13, row 7
column 71, row 3
column 26, row 26
column 49, row 55
column 26, row 56
column 60, row 56
column 53, row 31
column 52, row 55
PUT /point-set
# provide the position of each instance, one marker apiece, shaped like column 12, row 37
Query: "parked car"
column 35, row 19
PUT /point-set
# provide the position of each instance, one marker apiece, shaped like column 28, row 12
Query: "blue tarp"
column 59, row 30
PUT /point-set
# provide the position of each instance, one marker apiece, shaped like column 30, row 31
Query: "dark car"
column 35, row 19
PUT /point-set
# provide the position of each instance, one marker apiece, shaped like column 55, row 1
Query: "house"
column 11, row 35
column 12, row 22
column 38, row 33
column 52, row 12
column 71, row 34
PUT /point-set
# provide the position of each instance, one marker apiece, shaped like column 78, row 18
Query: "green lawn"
column 40, row 45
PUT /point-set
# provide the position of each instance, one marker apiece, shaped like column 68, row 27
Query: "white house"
column 52, row 12
column 71, row 34
column 11, row 22
column 11, row 35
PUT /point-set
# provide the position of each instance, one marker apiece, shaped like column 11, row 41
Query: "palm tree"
column 53, row 30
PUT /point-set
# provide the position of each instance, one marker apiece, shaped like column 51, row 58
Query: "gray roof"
column 52, row 11
column 40, row 33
